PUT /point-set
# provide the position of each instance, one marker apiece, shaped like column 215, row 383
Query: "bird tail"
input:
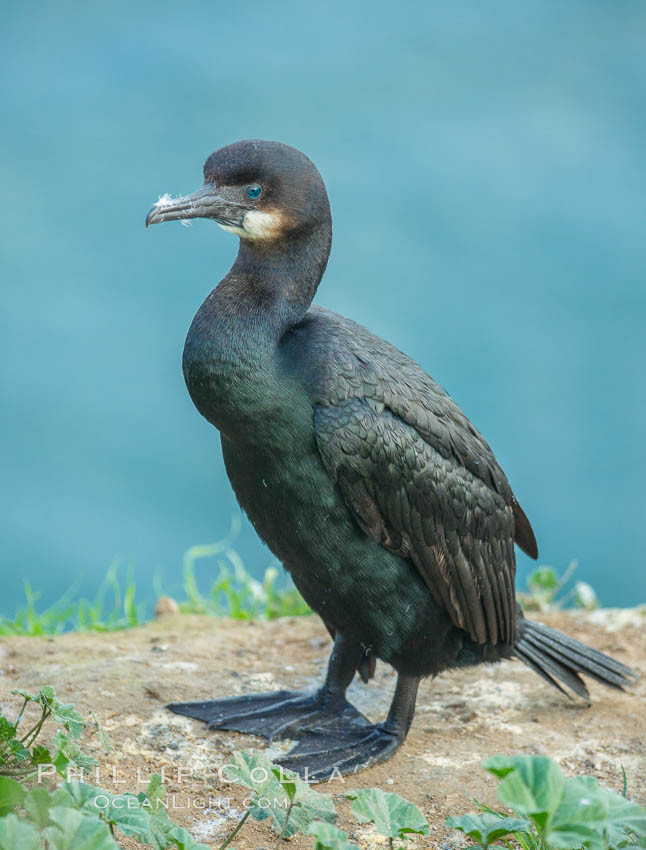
column 559, row 658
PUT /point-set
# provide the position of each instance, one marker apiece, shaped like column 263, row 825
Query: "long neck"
column 271, row 285
column 228, row 362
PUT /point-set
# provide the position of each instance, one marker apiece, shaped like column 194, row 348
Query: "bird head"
column 261, row 191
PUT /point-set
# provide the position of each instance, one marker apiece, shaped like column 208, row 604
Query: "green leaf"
column 124, row 811
column 41, row 755
column 67, row 750
column 87, row 797
column 7, row 730
column 160, row 834
column 11, row 794
column 329, row 837
column 74, row 830
column 580, row 816
column 625, row 818
column 184, row 840
column 486, row 828
column 61, row 762
column 309, row 805
column 26, row 695
column 68, row 717
column 142, row 816
column 16, row 834
column 270, row 799
column 39, row 801
column 106, row 740
column 392, row 815
column 163, row 833
column 289, row 786
column 153, row 797
column 543, row 579
column 253, row 770
column 155, row 789
column 19, row 750
column 530, row 785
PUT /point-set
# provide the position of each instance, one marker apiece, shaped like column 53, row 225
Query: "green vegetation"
column 545, row 591
column 73, row 815
column 549, row 812
column 292, row 806
column 392, row 815
column 234, row 593
column 83, row 615
column 20, row 756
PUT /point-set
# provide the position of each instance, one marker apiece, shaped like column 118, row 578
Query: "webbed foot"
column 282, row 714
column 326, row 751
column 332, row 737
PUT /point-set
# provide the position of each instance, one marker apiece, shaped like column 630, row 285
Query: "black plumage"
column 379, row 496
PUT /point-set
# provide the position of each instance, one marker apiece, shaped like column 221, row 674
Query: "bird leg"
column 333, row 738
column 329, row 750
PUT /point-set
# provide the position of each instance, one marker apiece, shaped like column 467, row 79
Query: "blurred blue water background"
column 486, row 168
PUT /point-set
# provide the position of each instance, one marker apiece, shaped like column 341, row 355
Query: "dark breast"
column 235, row 386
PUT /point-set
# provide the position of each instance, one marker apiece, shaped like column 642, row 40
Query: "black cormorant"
column 365, row 479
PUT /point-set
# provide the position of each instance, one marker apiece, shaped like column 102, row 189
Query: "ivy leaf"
column 26, row 695
column 155, row 791
column 41, row 755
column 67, row 751
column 19, row 750
column 253, row 770
column 160, row 834
column 580, row 816
column 289, row 786
column 7, row 730
column 485, row 828
column 184, row 840
column 74, row 830
column 125, row 812
column 329, row 837
column 68, row 717
column 163, row 833
column 104, row 738
column 625, row 819
column 392, row 815
column 530, row 785
column 16, row 834
column 46, row 694
column 270, row 799
column 39, row 801
column 122, row 810
column 310, row 805
column 132, row 814
column 60, row 762
column 11, row 794
column 153, row 797
column 87, row 797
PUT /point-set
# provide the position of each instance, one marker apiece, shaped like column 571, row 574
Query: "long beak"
column 205, row 203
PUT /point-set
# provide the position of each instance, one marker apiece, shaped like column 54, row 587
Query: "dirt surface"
column 462, row 717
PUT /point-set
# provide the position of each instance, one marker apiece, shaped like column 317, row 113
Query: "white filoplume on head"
column 165, row 200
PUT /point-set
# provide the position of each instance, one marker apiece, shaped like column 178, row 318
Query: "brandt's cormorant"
column 363, row 477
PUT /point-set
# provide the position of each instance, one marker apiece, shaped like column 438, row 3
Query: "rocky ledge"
column 127, row 677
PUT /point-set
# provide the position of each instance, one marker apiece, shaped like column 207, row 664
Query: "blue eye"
column 254, row 191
